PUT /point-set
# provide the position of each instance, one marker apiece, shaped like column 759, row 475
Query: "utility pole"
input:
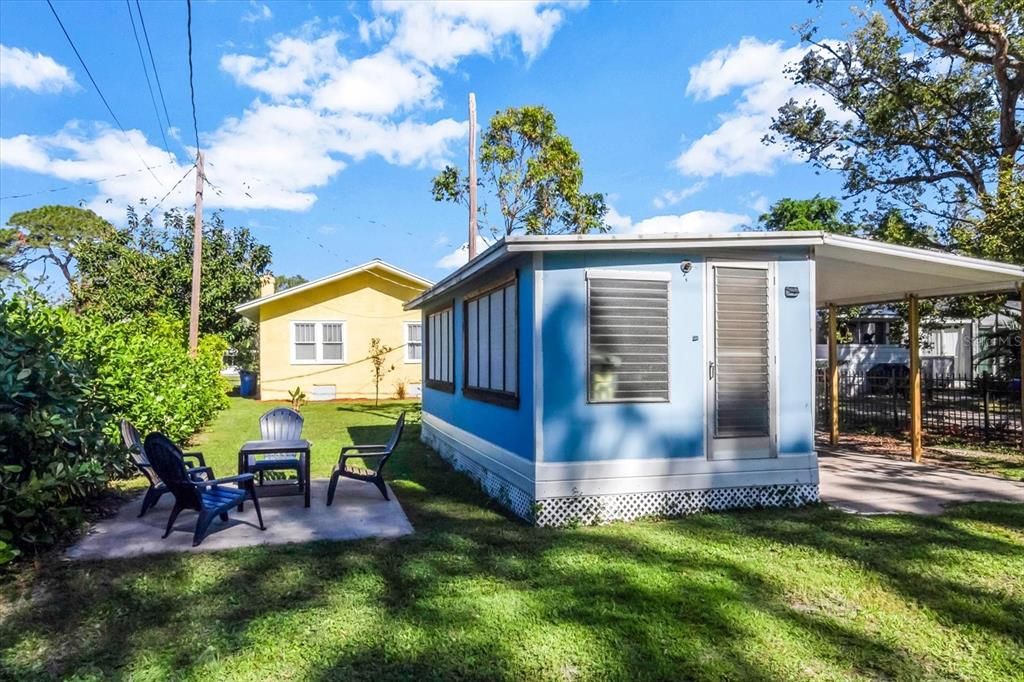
column 472, row 176
column 197, row 259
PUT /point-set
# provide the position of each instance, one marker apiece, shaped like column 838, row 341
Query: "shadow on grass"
column 754, row 596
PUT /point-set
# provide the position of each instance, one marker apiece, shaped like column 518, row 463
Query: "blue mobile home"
column 590, row 378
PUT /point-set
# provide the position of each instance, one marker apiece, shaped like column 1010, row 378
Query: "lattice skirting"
column 594, row 509
column 513, row 498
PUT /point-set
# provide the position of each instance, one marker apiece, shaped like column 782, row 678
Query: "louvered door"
column 740, row 366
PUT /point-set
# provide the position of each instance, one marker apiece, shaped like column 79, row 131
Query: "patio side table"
column 277, row 447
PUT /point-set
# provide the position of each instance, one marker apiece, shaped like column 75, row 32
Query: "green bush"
column 52, row 445
column 145, row 374
column 65, row 381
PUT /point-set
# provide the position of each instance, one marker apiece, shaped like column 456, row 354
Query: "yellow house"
column 316, row 336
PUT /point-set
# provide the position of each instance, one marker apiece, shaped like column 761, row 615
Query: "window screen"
column 333, row 344
column 318, row 342
column 628, row 336
column 413, row 341
column 491, row 341
column 305, row 341
column 440, row 352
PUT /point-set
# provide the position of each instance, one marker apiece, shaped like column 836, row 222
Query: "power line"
column 156, row 73
column 82, row 182
column 149, row 84
column 180, row 180
column 191, row 85
column 100, row 92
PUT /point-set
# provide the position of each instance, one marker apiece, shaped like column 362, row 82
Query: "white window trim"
column 318, row 340
column 423, row 345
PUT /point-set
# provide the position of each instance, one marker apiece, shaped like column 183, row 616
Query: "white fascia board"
column 925, row 255
column 494, row 253
column 568, row 243
column 964, row 290
column 257, row 302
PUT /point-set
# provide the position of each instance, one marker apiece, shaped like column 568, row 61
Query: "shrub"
column 145, row 374
column 65, row 381
column 52, row 444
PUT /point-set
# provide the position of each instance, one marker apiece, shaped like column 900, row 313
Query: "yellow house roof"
column 250, row 309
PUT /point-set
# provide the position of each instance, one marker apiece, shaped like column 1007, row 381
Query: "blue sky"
column 324, row 122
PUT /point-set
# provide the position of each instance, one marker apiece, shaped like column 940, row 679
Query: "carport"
column 853, row 271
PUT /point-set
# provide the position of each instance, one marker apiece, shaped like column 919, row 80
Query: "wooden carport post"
column 915, row 378
column 833, row 377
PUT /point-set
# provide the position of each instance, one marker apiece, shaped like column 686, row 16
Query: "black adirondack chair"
column 375, row 476
column 280, row 423
column 211, row 498
column 132, row 440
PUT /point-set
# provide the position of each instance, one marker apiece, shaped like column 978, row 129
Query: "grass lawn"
column 764, row 595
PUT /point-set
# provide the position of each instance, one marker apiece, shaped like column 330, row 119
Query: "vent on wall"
column 324, row 392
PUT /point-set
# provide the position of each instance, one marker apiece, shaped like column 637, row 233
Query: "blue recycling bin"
column 247, row 384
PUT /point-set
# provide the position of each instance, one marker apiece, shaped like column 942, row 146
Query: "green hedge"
column 65, row 381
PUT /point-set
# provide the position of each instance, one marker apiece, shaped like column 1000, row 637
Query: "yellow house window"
column 318, row 342
column 413, row 342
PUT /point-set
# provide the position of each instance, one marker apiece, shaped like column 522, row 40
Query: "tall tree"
column 929, row 110
column 144, row 268
column 288, row 281
column 51, row 235
column 817, row 213
column 534, row 172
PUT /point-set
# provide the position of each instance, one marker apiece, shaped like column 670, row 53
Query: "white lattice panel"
column 513, row 498
column 595, row 509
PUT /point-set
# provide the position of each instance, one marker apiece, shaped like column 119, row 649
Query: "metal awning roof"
column 848, row 270
column 852, row 271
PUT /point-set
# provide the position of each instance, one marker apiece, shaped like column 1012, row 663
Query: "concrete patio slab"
column 358, row 512
column 871, row 484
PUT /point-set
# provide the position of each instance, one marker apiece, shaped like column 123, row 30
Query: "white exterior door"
column 740, row 366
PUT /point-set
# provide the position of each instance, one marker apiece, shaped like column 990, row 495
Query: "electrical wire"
column 100, row 92
column 83, row 182
column 156, row 73
column 149, row 84
column 191, row 85
column 180, row 180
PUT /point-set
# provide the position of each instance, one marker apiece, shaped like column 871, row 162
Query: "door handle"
column 711, row 370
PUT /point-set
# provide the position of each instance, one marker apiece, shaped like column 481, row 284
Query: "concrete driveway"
column 870, row 484
column 358, row 512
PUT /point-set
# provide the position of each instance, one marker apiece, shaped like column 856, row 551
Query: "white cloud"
column 617, row 221
column 441, row 33
column 758, row 69
column 460, row 256
column 317, row 111
column 405, row 143
column 759, row 202
column 292, row 67
column 378, row 84
column 376, row 29
column 100, row 153
column 672, row 197
column 257, row 12
column 748, row 63
column 36, row 72
column 693, row 222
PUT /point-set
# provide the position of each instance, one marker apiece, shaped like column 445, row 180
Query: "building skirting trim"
column 486, row 463
column 596, row 509
column 469, row 462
